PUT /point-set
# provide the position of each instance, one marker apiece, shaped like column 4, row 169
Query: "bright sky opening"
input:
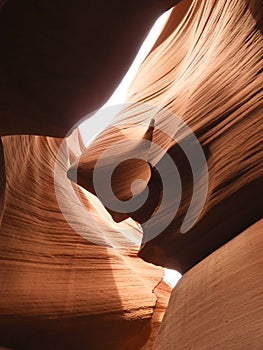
column 97, row 122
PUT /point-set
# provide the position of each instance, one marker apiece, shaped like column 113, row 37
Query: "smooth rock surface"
column 218, row 304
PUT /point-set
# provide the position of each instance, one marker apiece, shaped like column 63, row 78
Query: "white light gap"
column 95, row 124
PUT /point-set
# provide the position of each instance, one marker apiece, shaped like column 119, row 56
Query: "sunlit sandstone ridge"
column 60, row 290
column 207, row 73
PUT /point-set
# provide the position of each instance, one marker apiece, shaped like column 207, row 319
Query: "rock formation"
column 208, row 71
column 218, row 304
column 58, row 289
column 62, row 60
column 70, row 276
column 207, row 74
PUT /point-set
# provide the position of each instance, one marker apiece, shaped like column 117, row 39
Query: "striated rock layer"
column 60, row 290
column 208, row 71
column 218, row 304
column 204, row 71
column 70, row 277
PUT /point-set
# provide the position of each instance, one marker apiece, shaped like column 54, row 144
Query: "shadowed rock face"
column 2, row 181
column 62, row 60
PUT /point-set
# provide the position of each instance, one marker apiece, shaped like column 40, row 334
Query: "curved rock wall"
column 218, row 304
column 206, row 70
column 58, row 289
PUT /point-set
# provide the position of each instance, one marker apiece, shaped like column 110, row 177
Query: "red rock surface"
column 2, row 181
column 218, row 303
column 58, row 289
column 163, row 292
column 58, row 62
column 207, row 71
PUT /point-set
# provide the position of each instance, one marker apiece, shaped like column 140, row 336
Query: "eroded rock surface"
column 218, row 304
column 58, row 289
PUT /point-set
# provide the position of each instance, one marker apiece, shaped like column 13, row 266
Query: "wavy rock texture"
column 204, row 70
column 218, row 304
column 77, row 283
column 59, row 290
column 163, row 292
column 207, row 70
